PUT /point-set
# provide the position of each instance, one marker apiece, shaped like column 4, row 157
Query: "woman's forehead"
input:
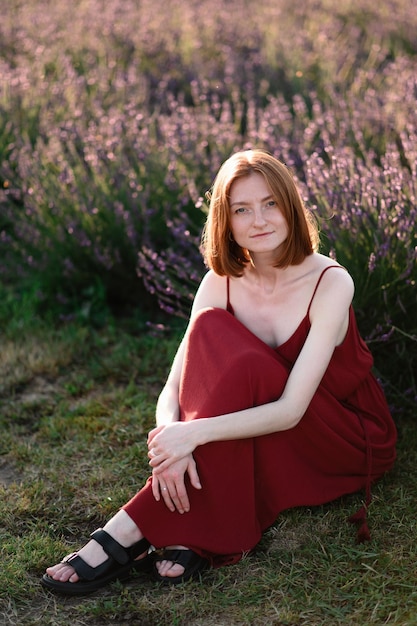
column 254, row 185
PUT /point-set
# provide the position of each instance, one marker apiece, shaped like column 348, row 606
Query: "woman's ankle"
column 123, row 529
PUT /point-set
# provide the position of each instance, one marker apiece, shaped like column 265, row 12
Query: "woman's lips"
column 260, row 235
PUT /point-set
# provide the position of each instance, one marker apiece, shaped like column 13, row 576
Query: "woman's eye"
column 240, row 210
column 271, row 203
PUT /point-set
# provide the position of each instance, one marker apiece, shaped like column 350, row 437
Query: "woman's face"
column 257, row 222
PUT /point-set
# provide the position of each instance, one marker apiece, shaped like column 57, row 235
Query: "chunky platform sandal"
column 192, row 563
column 118, row 566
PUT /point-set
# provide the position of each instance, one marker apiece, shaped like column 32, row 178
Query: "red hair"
column 221, row 253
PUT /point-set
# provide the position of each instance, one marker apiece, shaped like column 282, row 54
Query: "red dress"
column 345, row 440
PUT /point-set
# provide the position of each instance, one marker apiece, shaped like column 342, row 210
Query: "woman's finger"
column 155, row 488
column 167, row 498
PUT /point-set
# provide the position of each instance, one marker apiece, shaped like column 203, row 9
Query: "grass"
column 76, row 405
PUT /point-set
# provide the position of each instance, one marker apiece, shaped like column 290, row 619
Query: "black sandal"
column 117, row 567
column 192, row 563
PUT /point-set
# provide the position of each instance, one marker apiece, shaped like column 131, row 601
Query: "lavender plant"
column 111, row 132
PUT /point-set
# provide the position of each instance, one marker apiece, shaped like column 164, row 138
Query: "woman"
column 270, row 402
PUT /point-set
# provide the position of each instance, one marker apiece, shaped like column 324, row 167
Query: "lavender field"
column 115, row 115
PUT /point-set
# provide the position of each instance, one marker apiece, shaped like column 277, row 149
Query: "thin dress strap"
column 318, row 283
column 229, row 306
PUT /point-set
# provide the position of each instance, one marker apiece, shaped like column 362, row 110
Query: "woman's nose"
column 258, row 217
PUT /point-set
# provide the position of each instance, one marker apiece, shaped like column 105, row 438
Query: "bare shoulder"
column 212, row 292
column 337, row 277
column 336, row 287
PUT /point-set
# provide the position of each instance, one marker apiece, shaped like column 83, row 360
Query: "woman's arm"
column 169, row 484
column 329, row 317
column 167, row 406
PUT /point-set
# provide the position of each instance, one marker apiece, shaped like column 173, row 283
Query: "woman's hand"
column 170, row 484
column 169, row 443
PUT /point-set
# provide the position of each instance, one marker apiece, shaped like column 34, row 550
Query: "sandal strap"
column 118, row 552
column 115, row 551
column 112, row 547
column 138, row 548
column 186, row 558
column 83, row 569
column 192, row 563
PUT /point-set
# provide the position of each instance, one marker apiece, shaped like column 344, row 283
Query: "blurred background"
column 115, row 116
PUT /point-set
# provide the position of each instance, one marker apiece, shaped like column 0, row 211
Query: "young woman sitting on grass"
column 270, row 402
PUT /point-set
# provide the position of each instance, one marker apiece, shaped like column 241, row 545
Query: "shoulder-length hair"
column 221, row 253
